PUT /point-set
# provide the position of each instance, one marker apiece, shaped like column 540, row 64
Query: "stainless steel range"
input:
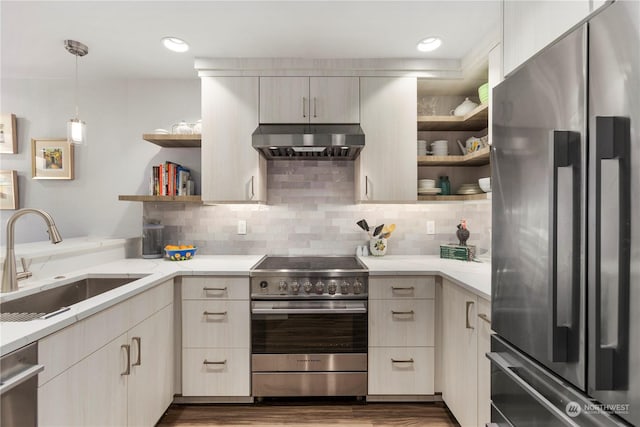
column 309, row 327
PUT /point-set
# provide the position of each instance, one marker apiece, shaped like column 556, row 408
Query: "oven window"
column 309, row 333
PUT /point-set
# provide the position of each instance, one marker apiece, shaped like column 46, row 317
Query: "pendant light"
column 76, row 128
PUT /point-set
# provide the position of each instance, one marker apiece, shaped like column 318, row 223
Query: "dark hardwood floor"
column 310, row 413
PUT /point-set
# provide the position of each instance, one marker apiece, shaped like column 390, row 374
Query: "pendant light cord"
column 77, row 115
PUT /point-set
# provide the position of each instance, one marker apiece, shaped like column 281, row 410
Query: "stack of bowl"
column 440, row 147
column 428, row 186
column 470, row 189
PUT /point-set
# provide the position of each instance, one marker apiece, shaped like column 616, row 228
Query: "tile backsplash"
column 311, row 211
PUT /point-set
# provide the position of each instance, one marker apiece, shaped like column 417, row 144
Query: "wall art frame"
column 52, row 159
column 8, row 134
column 9, row 199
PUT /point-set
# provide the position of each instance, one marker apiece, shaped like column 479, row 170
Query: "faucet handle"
column 25, row 273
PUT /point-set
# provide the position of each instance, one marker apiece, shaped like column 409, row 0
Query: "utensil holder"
column 378, row 246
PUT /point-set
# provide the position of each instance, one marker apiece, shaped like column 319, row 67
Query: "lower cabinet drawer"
column 401, row 370
column 215, row 324
column 216, row 372
column 401, row 323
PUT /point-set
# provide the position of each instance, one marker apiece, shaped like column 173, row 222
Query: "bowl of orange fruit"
column 180, row 252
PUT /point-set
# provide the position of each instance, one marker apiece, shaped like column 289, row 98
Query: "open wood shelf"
column 173, row 140
column 478, row 158
column 179, row 199
column 477, row 119
column 453, row 197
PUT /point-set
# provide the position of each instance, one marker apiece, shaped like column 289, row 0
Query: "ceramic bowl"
column 485, row 184
column 180, row 254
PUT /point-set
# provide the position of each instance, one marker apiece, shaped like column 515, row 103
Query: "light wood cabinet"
column 529, row 26
column 401, row 370
column 386, row 168
column 216, row 338
column 150, row 382
column 484, row 366
column 465, row 369
column 127, row 381
column 215, row 288
column 309, row 100
column 232, row 171
column 401, row 336
column 91, row 392
column 216, row 372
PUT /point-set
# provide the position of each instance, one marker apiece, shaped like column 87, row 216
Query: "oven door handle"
column 293, row 308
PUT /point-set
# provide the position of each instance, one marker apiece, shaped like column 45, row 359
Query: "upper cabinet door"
column 334, row 99
column 284, row 99
column 232, row 170
column 529, row 26
column 386, row 170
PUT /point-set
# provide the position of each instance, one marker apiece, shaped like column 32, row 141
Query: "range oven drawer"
column 309, row 362
column 283, row 384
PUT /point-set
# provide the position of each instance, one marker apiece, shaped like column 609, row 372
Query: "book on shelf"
column 170, row 179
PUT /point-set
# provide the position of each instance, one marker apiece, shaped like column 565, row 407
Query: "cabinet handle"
column 253, row 193
column 468, row 325
column 215, row 289
column 138, row 341
column 401, row 288
column 397, row 313
column 315, row 107
column 304, row 107
column 214, row 313
column 401, row 360
column 222, row 362
column 484, row 317
column 127, row 371
column 366, row 186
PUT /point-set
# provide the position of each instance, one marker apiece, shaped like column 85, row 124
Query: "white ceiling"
column 124, row 36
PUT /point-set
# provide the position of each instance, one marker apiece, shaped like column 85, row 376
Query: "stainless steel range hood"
column 315, row 142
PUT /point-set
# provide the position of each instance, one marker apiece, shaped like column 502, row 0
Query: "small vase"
column 378, row 246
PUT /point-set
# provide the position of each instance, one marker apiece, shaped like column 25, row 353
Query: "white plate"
column 429, row 190
column 161, row 131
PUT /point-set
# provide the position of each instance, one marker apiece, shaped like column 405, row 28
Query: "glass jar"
column 445, row 186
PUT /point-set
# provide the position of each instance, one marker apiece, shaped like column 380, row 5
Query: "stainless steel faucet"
column 10, row 276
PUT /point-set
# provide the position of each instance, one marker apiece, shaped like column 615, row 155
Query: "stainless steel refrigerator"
column 566, row 230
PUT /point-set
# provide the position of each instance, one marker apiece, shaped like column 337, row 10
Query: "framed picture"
column 8, row 140
column 8, row 190
column 51, row 159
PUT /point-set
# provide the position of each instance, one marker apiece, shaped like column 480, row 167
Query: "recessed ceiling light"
column 175, row 44
column 429, row 44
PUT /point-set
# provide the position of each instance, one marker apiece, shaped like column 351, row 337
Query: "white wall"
column 116, row 159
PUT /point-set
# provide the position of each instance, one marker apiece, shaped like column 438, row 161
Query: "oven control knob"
column 357, row 287
column 319, row 287
column 344, row 287
column 264, row 285
column 332, row 287
column 307, row 286
column 282, row 286
column 295, row 288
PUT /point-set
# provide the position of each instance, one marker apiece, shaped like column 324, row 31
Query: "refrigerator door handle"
column 509, row 370
column 566, row 153
column 612, row 360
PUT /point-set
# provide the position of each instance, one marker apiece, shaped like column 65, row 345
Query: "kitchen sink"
column 57, row 300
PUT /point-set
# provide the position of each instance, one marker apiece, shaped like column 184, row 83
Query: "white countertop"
column 14, row 335
column 476, row 277
column 473, row 276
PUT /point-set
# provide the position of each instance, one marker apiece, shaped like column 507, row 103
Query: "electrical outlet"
column 242, row 226
column 431, row 227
